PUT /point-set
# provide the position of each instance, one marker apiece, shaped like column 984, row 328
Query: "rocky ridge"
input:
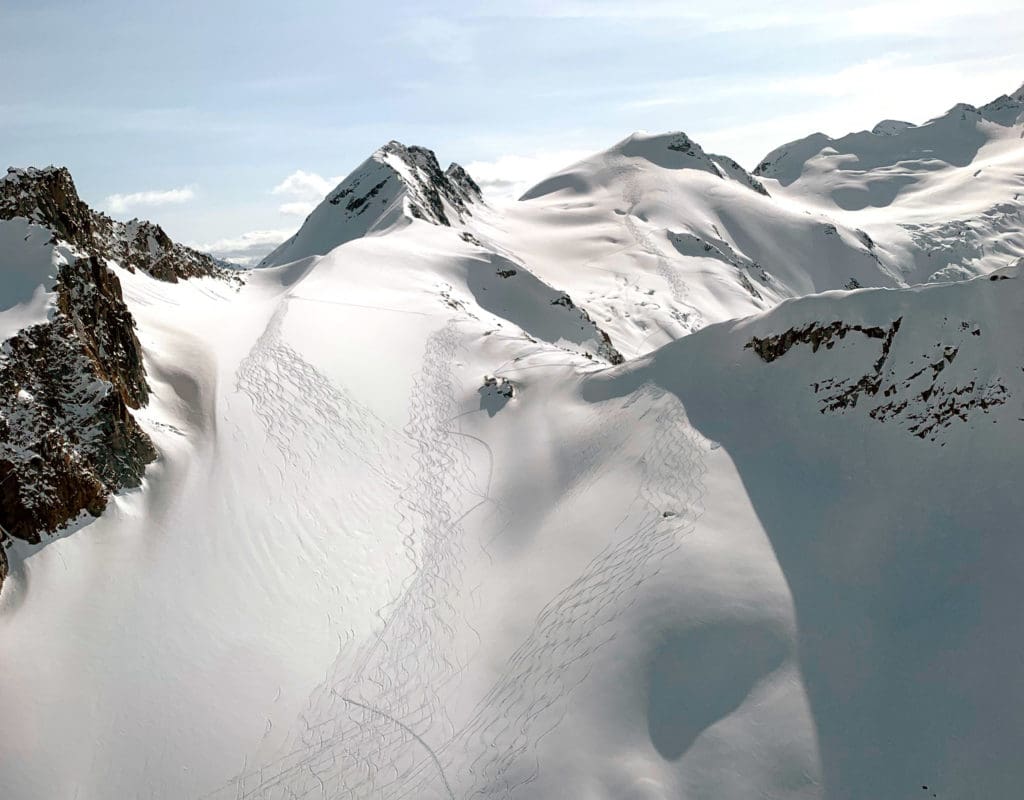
column 48, row 196
column 67, row 385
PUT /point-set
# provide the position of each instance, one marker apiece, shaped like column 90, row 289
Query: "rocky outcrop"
column 68, row 384
column 441, row 197
column 918, row 393
column 67, row 437
column 48, row 197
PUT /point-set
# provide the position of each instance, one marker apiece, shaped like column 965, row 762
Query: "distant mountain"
column 943, row 200
column 656, row 239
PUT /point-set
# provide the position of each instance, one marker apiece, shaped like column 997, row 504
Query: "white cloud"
column 508, row 176
column 305, row 184
column 298, row 208
column 306, row 189
column 247, row 248
column 120, row 203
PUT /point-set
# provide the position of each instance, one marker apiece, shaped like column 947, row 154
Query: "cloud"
column 120, row 203
column 246, row 249
column 508, row 176
column 306, row 189
column 305, row 184
column 297, row 208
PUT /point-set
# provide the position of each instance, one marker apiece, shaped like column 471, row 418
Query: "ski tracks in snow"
column 303, row 412
column 369, row 724
column 530, row 698
column 691, row 319
column 378, row 726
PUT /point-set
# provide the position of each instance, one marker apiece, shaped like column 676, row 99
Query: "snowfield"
column 616, row 492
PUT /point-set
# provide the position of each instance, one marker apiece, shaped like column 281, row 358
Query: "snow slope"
column 30, row 265
column 944, row 200
column 414, row 532
column 656, row 239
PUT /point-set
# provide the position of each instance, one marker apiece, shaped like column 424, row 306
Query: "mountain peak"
column 676, row 150
column 396, row 184
column 891, row 127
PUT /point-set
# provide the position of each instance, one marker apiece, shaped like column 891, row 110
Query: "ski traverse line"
column 389, row 701
column 579, row 621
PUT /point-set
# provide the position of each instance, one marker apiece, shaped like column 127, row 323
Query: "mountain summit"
column 393, row 186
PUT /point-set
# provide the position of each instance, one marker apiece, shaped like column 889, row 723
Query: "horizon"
column 254, row 122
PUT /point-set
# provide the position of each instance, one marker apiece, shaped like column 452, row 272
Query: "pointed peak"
column 397, row 183
column 457, row 174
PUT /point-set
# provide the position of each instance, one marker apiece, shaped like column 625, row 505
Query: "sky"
column 226, row 121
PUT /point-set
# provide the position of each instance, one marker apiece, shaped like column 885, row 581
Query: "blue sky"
column 224, row 121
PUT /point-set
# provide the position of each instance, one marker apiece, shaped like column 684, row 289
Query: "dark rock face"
column 924, row 399
column 48, row 197
column 429, row 188
column 67, row 437
column 67, row 386
column 816, row 335
column 464, row 183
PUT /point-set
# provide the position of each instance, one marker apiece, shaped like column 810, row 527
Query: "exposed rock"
column 67, row 385
column 495, row 393
column 48, row 196
column 816, row 335
column 921, row 399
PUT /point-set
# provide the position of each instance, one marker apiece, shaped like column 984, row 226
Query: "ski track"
column 530, row 698
column 692, row 319
column 297, row 404
column 377, row 727
column 369, row 724
column 495, row 752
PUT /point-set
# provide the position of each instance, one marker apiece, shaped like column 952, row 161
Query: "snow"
column 28, row 273
column 411, row 533
column 943, row 200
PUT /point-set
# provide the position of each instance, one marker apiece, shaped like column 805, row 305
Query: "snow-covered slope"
column 943, row 200
column 414, row 530
column 656, row 239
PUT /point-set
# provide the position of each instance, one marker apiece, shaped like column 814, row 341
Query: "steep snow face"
column 656, row 239
column 393, row 186
column 28, row 271
column 943, row 200
column 893, row 421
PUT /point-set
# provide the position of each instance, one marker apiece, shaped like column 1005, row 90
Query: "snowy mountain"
column 394, row 185
column 943, row 200
column 624, row 490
